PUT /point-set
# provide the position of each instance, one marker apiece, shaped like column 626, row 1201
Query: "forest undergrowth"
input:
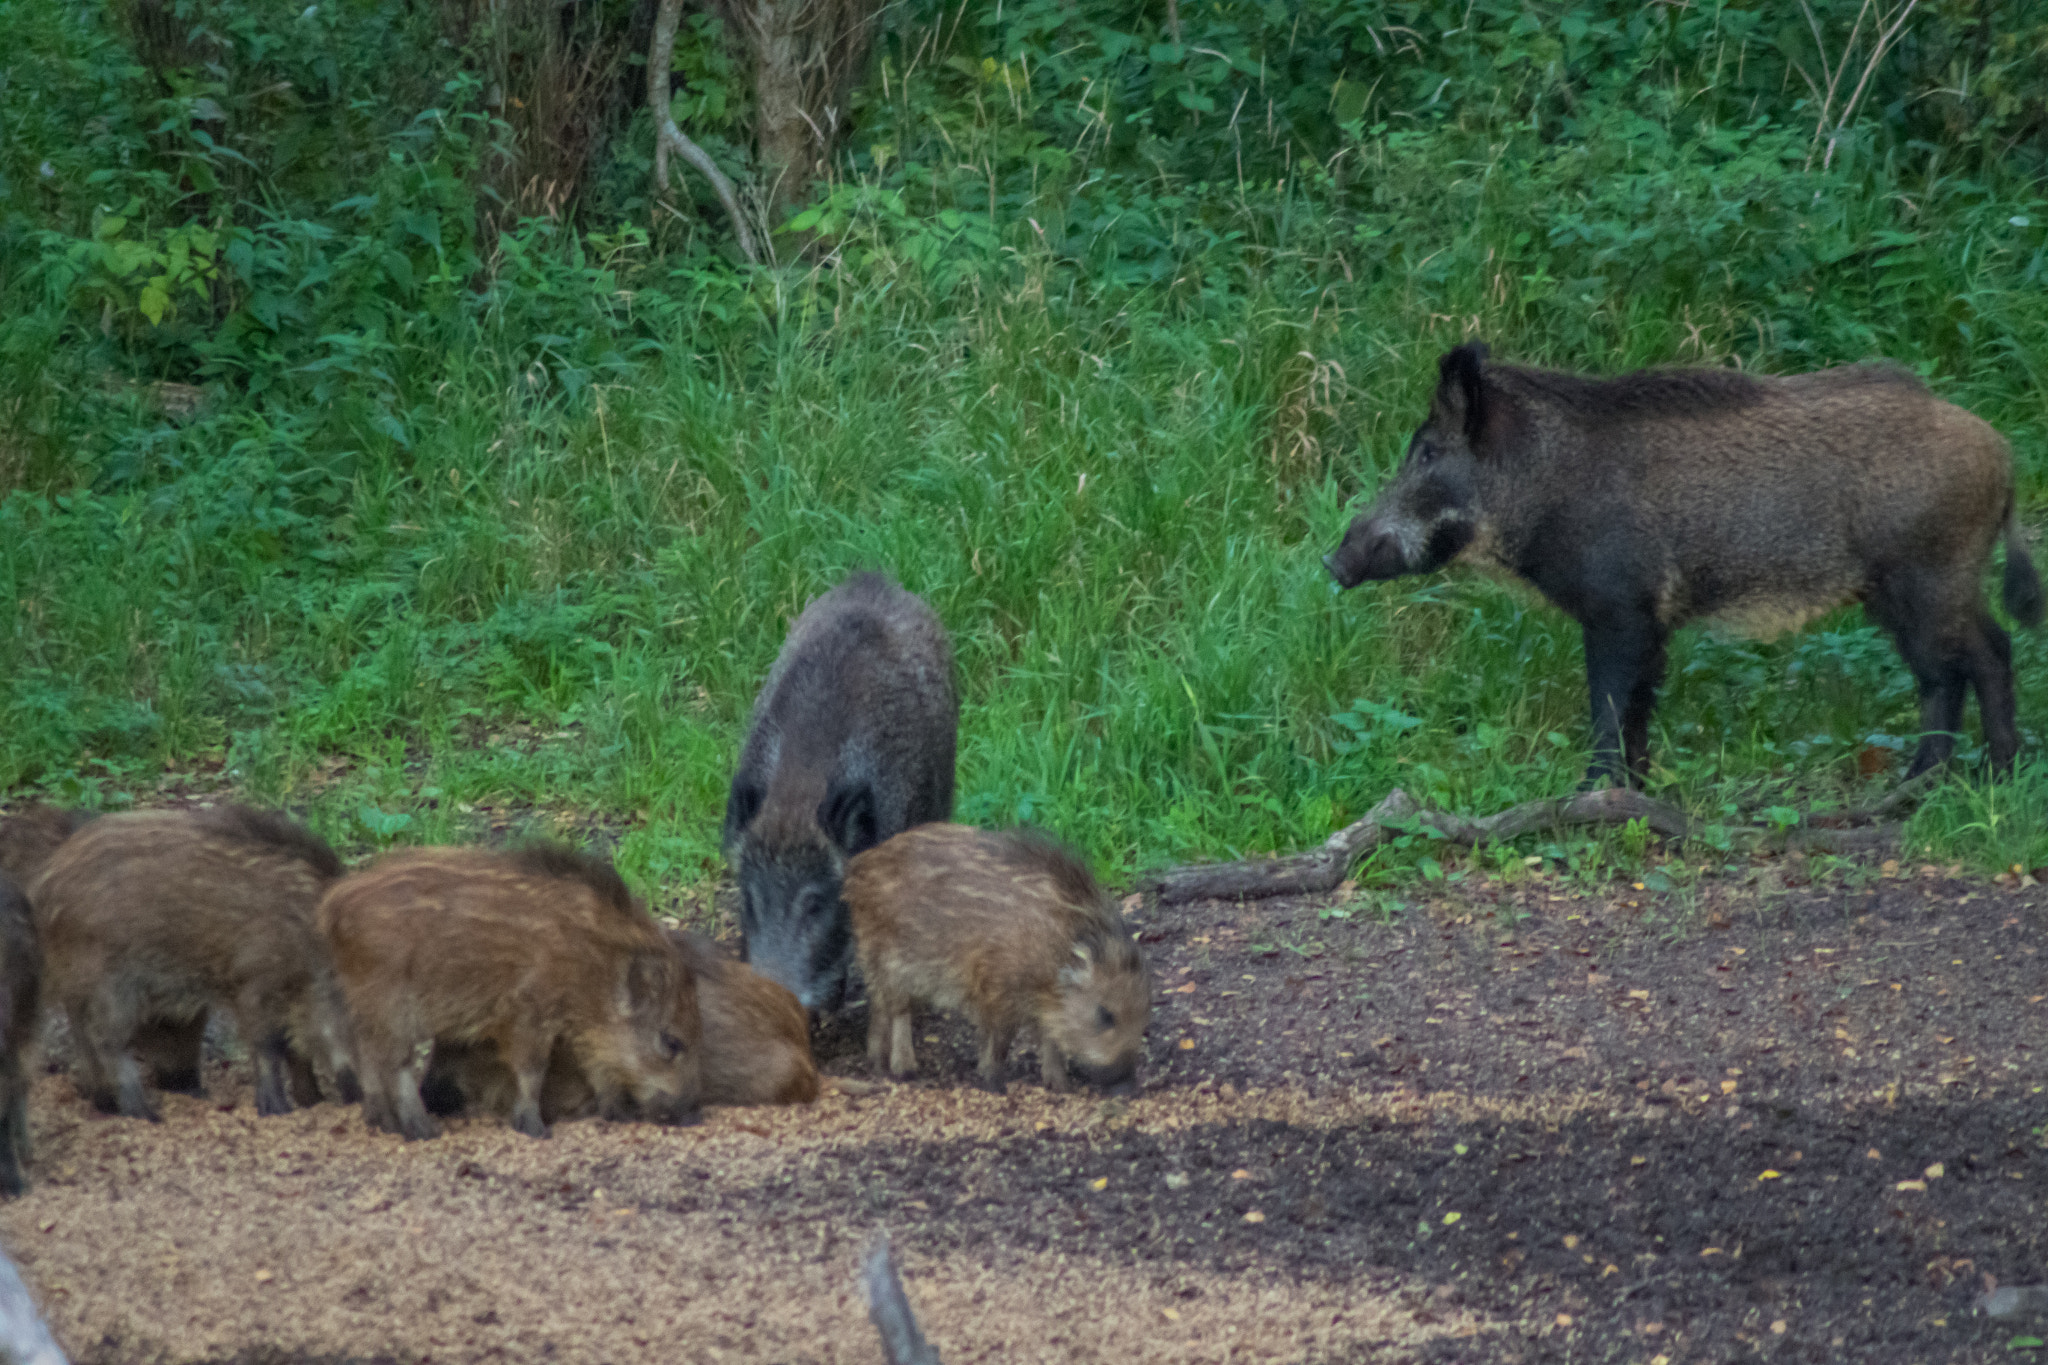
column 343, row 457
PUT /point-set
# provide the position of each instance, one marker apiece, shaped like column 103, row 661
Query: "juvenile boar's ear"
column 847, row 815
column 1459, row 389
column 640, row 984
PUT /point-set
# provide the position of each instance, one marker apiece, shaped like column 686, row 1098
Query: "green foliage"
column 1098, row 338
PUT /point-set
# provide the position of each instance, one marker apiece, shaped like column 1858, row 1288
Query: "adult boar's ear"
column 1459, row 391
column 742, row 805
column 847, row 815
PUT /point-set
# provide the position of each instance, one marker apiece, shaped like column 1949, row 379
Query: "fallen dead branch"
column 1324, row 868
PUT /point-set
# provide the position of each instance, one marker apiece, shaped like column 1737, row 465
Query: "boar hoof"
column 351, row 1089
column 530, row 1125
column 420, row 1130
column 12, row 1185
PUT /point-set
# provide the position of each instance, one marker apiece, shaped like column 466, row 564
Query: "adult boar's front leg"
column 1624, row 666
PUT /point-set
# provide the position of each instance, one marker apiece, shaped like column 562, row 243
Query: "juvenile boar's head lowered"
column 757, row 1050
column 852, row 741
column 1011, row 930
column 532, row 955
column 1640, row 503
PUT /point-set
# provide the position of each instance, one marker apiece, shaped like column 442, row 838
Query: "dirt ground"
column 1521, row 1125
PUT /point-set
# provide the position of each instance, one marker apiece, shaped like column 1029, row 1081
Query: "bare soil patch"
column 1519, row 1126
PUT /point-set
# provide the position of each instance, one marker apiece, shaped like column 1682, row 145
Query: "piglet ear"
column 1460, row 390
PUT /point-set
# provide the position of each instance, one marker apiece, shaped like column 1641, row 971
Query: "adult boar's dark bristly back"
column 852, row 742
column 1639, row 503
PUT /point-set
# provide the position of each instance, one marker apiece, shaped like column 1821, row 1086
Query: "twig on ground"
column 889, row 1310
column 1324, row 868
column 1320, row 870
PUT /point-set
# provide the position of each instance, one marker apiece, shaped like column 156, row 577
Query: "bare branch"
column 669, row 138
column 889, row 1310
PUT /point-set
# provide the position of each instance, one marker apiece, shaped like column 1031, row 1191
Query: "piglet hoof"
column 529, row 1123
column 422, row 1129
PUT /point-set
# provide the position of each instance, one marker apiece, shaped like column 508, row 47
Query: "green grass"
column 506, row 530
column 1118, row 516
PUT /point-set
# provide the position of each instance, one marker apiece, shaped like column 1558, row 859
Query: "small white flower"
column 2020, row 220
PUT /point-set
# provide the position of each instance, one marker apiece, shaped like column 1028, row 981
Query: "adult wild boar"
column 852, row 743
column 1640, row 503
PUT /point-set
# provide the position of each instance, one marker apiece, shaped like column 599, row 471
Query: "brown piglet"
column 524, row 953
column 1011, row 930
column 150, row 919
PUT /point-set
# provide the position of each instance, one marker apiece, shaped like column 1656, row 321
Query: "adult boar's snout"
column 1368, row 552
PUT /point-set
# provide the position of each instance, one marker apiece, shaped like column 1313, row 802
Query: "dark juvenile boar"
column 519, row 952
column 150, row 919
column 757, row 1050
column 1011, row 930
column 1640, row 503
column 852, row 742
column 31, row 835
column 21, row 977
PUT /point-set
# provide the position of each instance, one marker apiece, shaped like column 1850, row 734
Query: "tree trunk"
column 782, row 131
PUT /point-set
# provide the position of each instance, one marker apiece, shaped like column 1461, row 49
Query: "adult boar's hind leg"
column 1990, row 655
column 1624, row 665
column 1906, row 603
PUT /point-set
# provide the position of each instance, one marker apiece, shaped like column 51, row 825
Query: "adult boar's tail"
column 2022, row 585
